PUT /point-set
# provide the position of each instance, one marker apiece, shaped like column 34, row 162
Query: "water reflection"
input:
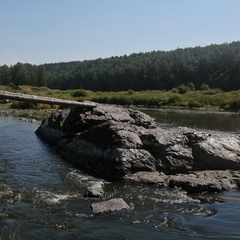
column 212, row 120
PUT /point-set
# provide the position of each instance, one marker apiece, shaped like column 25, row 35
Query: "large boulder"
column 114, row 142
column 218, row 151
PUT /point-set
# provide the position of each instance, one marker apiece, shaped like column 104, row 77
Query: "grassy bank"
column 210, row 98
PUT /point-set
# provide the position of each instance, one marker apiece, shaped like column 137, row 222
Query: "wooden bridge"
column 47, row 100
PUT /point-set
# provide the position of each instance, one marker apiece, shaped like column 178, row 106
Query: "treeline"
column 216, row 66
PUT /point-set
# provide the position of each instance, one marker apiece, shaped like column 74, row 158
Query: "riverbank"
column 37, row 114
column 206, row 99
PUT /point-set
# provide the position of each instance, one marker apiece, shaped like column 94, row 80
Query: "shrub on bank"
column 130, row 92
column 40, row 89
column 79, row 93
column 174, row 90
column 182, row 89
column 100, row 99
column 234, row 105
column 23, row 105
column 212, row 91
column 173, row 100
column 121, row 100
column 194, row 104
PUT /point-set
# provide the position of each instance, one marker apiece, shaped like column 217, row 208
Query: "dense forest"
column 216, row 66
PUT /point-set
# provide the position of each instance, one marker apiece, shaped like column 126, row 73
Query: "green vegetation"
column 200, row 77
column 198, row 68
column 211, row 98
column 23, row 105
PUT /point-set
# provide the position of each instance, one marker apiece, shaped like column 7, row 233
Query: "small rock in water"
column 32, row 120
column 115, row 204
column 95, row 190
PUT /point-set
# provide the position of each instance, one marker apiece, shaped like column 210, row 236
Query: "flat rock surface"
column 149, row 177
column 205, row 181
column 193, row 182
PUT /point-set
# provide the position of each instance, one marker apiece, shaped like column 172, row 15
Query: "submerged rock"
column 30, row 120
column 95, row 190
column 115, row 204
column 115, row 142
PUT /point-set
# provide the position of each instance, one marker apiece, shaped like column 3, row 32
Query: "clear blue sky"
column 47, row 31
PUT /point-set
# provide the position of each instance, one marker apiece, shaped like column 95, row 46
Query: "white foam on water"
column 78, row 177
column 51, row 198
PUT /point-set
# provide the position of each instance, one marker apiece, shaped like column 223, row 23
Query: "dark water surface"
column 41, row 195
column 211, row 120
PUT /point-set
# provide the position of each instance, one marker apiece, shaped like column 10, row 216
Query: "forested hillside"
column 217, row 66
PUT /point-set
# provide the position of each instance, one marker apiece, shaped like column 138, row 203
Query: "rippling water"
column 212, row 120
column 41, row 197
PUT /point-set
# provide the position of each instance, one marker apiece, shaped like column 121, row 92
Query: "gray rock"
column 30, row 120
column 115, row 204
column 115, row 142
column 95, row 190
column 104, row 140
column 217, row 152
column 206, row 181
column 158, row 178
column 50, row 128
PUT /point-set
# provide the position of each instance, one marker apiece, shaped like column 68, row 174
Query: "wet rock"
column 50, row 128
column 169, row 148
column 158, row 178
column 81, row 119
column 115, row 142
column 30, row 120
column 115, row 204
column 104, row 140
column 95, row 190
column 210, row 200
column 5, row 101
column 205, row 181
column 218, row 151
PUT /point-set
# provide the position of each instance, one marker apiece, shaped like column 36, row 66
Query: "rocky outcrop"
column 114, row 142
column 105, row 140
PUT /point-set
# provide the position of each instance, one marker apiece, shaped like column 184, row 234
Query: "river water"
column 41, row 195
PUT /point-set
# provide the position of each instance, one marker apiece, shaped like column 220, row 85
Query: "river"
column 41, row 195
